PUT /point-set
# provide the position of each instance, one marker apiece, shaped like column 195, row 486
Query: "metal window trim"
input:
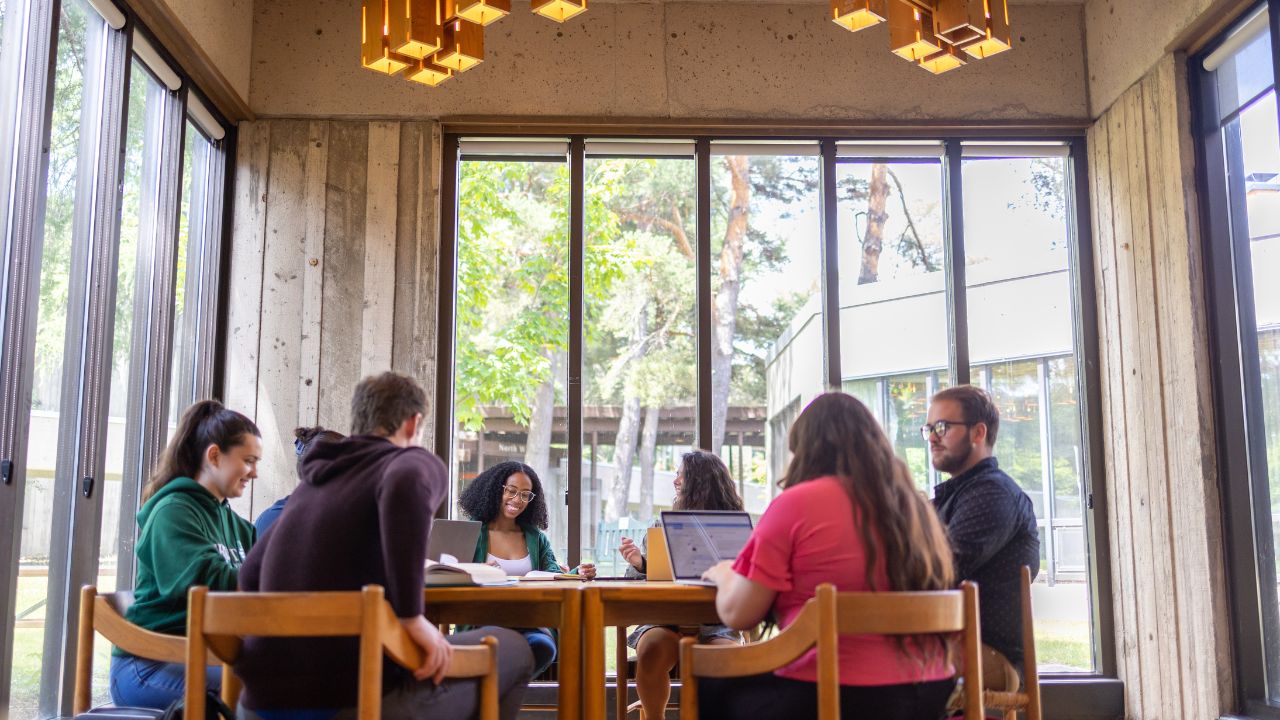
column 703, row 290
column 25, row 232
column 953, row 259
column 829, row 256
column 82, row 427
column 577, row 308
column 1088, row 380
column 211, row 285
column 446, row 328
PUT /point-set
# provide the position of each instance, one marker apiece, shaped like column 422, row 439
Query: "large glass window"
column 1241, row 151
column 640, row 351
column 69, row 194
column 512, row 328
column 659, row 370
column 1022, row 348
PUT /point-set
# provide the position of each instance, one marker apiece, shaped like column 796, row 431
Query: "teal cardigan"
column 541, row 555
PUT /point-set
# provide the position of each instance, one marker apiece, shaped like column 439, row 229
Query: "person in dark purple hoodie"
column 361, row 516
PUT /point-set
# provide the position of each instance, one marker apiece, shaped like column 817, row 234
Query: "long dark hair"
column 837, row 435
column 482, row 499
column 707, row 484
column 203, row 424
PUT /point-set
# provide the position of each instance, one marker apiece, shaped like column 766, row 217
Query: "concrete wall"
column 674, row 59
column 224, row 28
column 1126, row 38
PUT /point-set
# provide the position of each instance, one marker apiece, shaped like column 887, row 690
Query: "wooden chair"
column 219, row 621
column 1027, row 699
column 106, row 615
column 827, row 616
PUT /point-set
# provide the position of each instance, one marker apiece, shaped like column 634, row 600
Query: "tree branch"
column 911, row 225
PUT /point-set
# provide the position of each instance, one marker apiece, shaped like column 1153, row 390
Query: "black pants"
column 761, row 697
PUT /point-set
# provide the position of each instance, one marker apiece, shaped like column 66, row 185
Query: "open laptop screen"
column 696, row 540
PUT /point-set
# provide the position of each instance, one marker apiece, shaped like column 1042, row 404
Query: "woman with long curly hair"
column 849, row 514
column 509, row 502
column 702, row 482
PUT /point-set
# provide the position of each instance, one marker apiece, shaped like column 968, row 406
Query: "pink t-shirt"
column 806, row 537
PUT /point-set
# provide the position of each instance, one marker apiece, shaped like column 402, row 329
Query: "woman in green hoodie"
column 189, row 536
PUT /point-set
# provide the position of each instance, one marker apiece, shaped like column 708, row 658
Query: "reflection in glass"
column 640, row 355
column 512, row 325
column 69, row 188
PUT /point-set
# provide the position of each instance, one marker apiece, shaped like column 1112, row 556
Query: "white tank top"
column 513, row 568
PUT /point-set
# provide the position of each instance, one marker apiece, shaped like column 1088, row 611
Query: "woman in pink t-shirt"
column 850, row 515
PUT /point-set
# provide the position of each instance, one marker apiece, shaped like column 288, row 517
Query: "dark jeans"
column 543, row 647
column 454, row 698
column 136, row 682
column 761, row 697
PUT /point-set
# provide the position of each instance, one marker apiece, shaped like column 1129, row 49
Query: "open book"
column 460, row 573
column 547, row 575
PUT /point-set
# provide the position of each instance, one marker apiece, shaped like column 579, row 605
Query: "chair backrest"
column 106, row 615
column 219, row 621
column 912, row 613
column 827, row 616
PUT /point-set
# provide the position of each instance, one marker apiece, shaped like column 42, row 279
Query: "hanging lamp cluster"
column 937, row 35
column 433, row 40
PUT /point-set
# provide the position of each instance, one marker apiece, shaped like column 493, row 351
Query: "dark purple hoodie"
column 360, row 516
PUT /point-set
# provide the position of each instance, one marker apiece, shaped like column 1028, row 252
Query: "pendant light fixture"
column 463, row 46
column 997, row 37
column 911, row 32
column 415, row 27
column 559, row 10
column 858, row 14
column 375, row 49
column 961, row 21
column 427, row 72
column 480, row 12
column 945, row 60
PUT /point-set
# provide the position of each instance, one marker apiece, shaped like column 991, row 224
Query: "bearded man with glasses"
column 990, row 521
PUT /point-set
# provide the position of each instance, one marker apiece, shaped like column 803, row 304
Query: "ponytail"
column 203, row 424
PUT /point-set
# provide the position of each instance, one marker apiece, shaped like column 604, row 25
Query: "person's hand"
column 719, row 572
column 587, row 570
column 493, row 563
column 436, row 651
column 631, row 553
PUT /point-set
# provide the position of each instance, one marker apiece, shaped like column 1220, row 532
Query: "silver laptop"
column 698, row 539
column 453, row 537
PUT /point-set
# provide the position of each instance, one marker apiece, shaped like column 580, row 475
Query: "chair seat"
column 118, row 712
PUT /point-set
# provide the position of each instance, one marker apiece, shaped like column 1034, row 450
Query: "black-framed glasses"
column 940, row 428
column 512, row 491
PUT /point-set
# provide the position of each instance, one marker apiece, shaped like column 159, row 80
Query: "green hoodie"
column 188, row 538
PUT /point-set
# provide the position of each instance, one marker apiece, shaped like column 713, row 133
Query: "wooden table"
column 527, row 604
column 613, row 604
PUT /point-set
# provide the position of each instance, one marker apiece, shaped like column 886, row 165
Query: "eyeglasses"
column 512, row 491
column 940, row 428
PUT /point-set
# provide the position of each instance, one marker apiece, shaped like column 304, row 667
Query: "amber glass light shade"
column 415, row 27
column 961, row 21
column 463, row 46
column 375, row 50
column 911, row 32
column 427, row 72
column 997, row 37
column 858, row 14
column 559, row 10
column 480, row 12
column 946, row 59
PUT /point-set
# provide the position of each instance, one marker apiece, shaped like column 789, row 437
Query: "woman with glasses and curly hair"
column 509, row 502
column 702, row 482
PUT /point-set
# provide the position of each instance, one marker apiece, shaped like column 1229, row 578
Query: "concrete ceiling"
column 821, row 2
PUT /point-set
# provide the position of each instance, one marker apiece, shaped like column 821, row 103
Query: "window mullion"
column 953, row 259
column 577, row 245
column 830, row 258
column 702, row 149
